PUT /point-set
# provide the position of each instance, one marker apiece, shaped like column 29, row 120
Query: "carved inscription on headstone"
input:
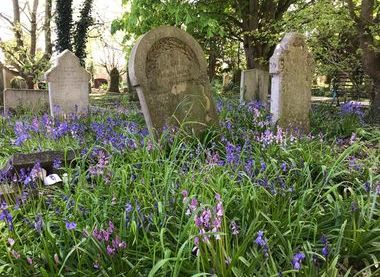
column 291, row 68
column 168, row 69
column 68, row 85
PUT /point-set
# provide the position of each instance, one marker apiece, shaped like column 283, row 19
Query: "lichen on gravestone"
column 291, row 68
column 168, row 69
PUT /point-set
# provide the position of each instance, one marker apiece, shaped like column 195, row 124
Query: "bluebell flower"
column 367, row 187
column 38, row 222
column 262, row 242
column 297, row 260
column 71, row 225
column 325, row 249
column 57, row 163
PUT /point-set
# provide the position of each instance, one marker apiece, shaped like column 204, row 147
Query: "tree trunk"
column 17, row 24
column 29, row 82
column 370, row 57
column 47, row 28
column 375, row 103
column 114, row 80
column 33, row 29
column 212, row 60
column 249, row 52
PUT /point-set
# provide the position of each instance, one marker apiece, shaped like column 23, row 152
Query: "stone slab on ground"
column 19, row 161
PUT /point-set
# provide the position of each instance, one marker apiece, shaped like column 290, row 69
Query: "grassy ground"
column 245, row 199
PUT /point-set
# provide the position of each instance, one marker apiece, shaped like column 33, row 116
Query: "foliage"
column 248, row 199
column 255, row 24
column 81, row 29
column 64, row 22
column 332, row 36
column 30, row 67
column 73, row 36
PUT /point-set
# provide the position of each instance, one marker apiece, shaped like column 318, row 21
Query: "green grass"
column 320, row 193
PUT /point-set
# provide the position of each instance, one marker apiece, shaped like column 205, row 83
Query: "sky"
column 104, row 10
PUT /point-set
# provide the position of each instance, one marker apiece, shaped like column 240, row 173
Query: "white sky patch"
column 103, row 10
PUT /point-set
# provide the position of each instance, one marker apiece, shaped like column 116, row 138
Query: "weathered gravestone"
column 20, row 161
column 68, row 84
column 46, row 159
column 254, row 85
column 28, row 99
column 291, row 68
column 169, row 71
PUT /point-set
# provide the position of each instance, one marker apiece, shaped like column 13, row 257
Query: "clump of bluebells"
column 110, row 239
column 260, row 169
column 208, row 220
column 352, row 108
column 6, row 216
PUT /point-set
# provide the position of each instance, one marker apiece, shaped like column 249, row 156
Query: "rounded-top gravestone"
column 169, row 71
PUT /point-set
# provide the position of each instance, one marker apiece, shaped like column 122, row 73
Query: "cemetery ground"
column 245, row 199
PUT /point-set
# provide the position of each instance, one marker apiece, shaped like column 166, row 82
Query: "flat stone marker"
column 254, row 85
column 23, row 161
column 68, row 85
column 169, row 71
column 291, row 68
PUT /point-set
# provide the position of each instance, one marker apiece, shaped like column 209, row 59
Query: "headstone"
column 31, row 100
column 8, row 75
column 169, row 71
column 291, row 68
column 68, row 84
column 254, row 85
column 99, row 82
column 24, row 161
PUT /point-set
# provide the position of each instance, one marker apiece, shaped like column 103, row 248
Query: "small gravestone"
column 46, row 159
column 254, row 85
column 169, row 71
column 291, row 68
column 68, row 84
column 19, row 162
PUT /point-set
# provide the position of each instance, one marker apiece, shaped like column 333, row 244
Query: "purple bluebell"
column 262, row 242
column 284, row 167
column 297, row 260
column 6, row 216
column 71, row 225
column 38, row 223
column 325, row 249
column 367, row 187
column 57, row 163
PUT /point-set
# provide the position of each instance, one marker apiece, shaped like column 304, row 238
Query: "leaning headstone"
column 169, row 71
column 68, row 84
column 291, row 68
column 254, row 85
